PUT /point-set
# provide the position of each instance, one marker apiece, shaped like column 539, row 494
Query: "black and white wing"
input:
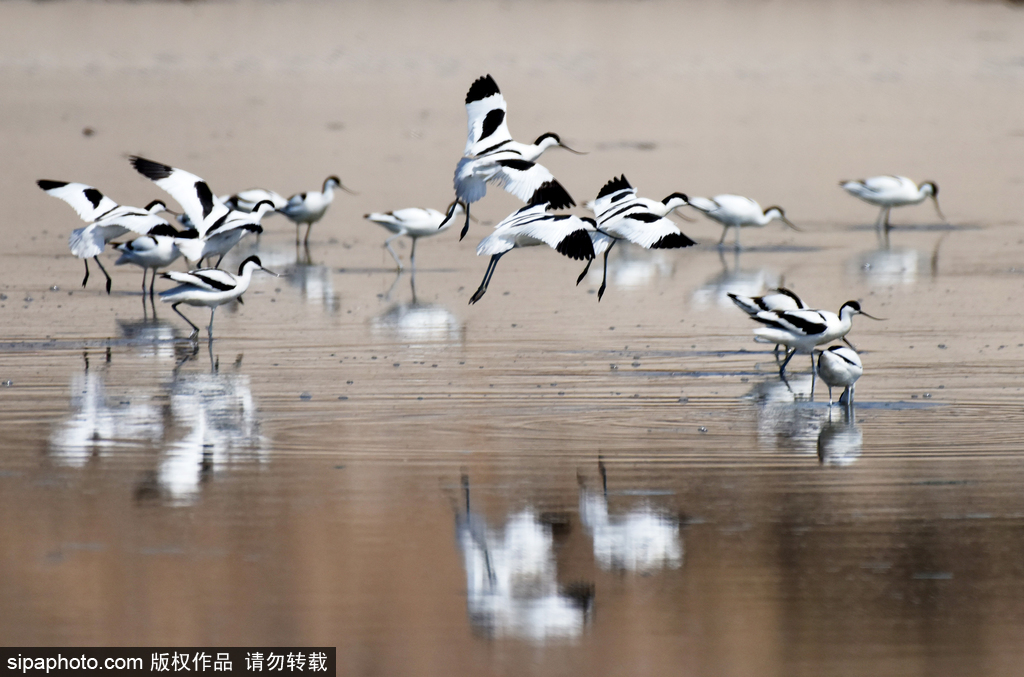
column 210, row 279
column 799, row 322
column 89, row 203
column 192, row 193
column 520, row 177
column 485, row 108
column 612, row 198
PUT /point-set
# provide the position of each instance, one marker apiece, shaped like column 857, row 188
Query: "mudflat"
column 538, row 483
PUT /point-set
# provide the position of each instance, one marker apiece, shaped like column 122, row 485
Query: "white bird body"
column 222, row 237
column 246, row 200
column 107, row 220
column 492, row 156
column 308, row 208
column 413, row 222
column 534, row 225
column 840, row 366
column 737, row 211
column 892, row 191
column 208, row 287
column 155, row 250
column 621, row 215
column 218, row 226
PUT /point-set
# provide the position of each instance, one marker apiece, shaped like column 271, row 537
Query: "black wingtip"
column 151, row 170
column 577, row 245
column 553, row 194
column 613, row 186
column 46, row 184
column 484, row 87
column 673, row 241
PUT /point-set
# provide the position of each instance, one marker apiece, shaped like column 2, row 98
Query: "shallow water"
column 538, row 483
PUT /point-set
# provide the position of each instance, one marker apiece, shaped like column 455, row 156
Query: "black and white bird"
column 840, row 366
column 892, row 191
column 218, row 227
column 209, row 287
column 156, row 249
column 803, row 330
column 246, row 200
column 308, row 208
column 737, row 211
column 534, row 225
column 621, row 215
column 780, row 298
column 414, row 223
column 107, row 220
column 491, row 156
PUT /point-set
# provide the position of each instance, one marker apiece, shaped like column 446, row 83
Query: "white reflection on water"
column 840, row 441
column 641, row 540
column 223, row 427
column 150, row 337
column 630, row 266
column 785, row 418
column 101, row 422
column 887, row 266
column 734, row 280
column 313, row 281
column 419, row 324
column 511, row 579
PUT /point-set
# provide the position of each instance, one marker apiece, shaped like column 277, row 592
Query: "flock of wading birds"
column 213, row 225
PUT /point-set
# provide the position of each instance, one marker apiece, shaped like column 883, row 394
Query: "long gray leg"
column 604, row 279
column 412, row 256
column 195, row 329
column 387, row 245
column 487, row 278
column 86, row 278
column 109, row 281
column 209, row 330
column 465, row 228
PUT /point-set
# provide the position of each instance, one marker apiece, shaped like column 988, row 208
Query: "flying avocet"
column 621, row 215
column 209, row 287
column 308, row 208
column 533, row 225
column 803, row 330
column 892, row 191
column 107, row 220
column 491, row 156
column 736, row 211
column 156, row 249
column 413, row 222
column 840, row 366
column 218, row 227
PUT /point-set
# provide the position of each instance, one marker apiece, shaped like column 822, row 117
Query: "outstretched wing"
column 89, row 203
column 487, row 124
column 523, row 178
column 648, row 230
column 192, row 193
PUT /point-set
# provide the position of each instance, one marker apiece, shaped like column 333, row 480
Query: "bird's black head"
column 256, row 207
column 154, row 203
column 548, row 135
column 852, row 305
column 163, row 229
column 677, row 196
column 253, row 259
column 934, row 187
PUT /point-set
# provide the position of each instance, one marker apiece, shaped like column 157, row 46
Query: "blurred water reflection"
column 418, row 324
column 786, row 419
column 641, row 540
column 314, row 281
column 630, row 266
column 101, row 422
column 840, row 441
column 512, row 588
column 734, row 280
column 886, row 266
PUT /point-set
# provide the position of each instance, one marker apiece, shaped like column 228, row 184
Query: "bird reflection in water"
column 213, row 424
column 102, row 422
column 885, row 266
column 511, row 578
column 786, row 419
column 418, row 323
column 734, row 280
column 641, row 540
column 633, row 267
column 840, row 441
column 313, row 280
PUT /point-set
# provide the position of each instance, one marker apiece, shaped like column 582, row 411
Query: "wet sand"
column 538, row 483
